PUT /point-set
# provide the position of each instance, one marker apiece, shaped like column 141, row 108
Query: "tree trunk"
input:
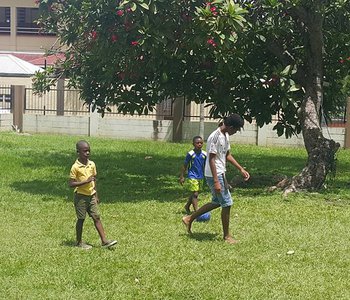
column 321, row 151
column 201, row 120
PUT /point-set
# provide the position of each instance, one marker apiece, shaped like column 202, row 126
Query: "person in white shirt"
column 218, row 151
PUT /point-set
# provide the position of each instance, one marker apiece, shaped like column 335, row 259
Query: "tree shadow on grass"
column 69, row 243
column 122, row 177
column 127, row 176
column 202, row 236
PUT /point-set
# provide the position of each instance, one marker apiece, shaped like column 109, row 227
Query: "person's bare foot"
column 187, row 223
column 231, row 240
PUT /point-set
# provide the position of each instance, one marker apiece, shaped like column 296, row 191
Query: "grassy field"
column 290, row 248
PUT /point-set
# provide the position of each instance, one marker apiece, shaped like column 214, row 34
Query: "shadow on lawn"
column 202, row 236
column 127, row 176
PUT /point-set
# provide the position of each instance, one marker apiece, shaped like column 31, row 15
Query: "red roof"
column 37, row 58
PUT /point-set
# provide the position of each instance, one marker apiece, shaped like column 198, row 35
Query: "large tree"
column 264, row 58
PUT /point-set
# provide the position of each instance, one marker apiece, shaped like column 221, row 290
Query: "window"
column 5, row 20
column 26, row 20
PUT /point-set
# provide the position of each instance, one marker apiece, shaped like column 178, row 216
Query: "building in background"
column 20, row 35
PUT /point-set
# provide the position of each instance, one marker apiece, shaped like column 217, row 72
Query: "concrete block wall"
column 162, row 130
column 94, row 125
column 77, row 125
column 133, row 128
column 6, row 121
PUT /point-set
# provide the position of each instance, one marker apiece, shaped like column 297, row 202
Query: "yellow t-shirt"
column 81, row 172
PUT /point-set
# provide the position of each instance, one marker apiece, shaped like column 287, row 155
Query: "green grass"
column 142, row 205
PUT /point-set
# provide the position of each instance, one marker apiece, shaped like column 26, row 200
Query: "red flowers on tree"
column 211, row 42
column 94, row 35
column 114, row 38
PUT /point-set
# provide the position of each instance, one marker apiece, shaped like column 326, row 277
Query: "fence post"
column 18, row 96
column 347, row 125
column 60, row 97
column 178, row 119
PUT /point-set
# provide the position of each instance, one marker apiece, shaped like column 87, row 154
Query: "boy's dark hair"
column 196, row 137
column 234, row 120
column 80, row 143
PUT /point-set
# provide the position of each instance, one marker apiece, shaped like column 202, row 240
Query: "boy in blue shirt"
column 194, row 164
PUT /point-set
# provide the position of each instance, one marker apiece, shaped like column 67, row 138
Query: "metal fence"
column 5, row 99
column 47, row 104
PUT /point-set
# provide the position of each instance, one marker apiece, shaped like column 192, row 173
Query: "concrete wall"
column 251, row 134
column 162, row 130
column 95, row 125
column 6, row 120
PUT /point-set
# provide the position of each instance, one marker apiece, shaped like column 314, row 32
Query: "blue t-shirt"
column 195, row 164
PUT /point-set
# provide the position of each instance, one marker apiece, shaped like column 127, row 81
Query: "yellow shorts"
column 194, row 185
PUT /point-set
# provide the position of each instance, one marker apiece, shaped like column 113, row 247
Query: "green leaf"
column 293, row 88
column 286, row 70
column 133, row 7
column 144, row 5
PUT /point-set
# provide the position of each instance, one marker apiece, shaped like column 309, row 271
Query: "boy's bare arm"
column 235, row 163
column 212, row 166
column 182, row 174
column 74, row 183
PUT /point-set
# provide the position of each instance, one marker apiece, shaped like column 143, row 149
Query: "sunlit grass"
column 142, row 205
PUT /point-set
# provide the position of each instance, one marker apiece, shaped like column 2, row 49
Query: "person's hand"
column 217, row 187
column 245, row 174
column 90, row 179
column 181, row 180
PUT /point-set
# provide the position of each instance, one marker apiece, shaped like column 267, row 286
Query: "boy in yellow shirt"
column 83, row 180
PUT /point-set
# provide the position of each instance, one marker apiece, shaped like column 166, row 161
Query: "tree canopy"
column 249, row 57
column 258, row 58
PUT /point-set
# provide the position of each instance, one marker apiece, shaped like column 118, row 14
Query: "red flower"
column 213, row 8
column 211, row 42
column 114, row 38
column 134, row 43
column 341, row 61
column 93, row 35
column 120, row 13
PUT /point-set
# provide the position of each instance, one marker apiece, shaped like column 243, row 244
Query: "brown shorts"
column 86, row 204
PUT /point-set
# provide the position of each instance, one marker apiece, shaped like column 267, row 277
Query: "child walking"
column 194, row 164
column 83, row 180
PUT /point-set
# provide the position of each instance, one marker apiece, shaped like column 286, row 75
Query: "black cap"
column 234, row 120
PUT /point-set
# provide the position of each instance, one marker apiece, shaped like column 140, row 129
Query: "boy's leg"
column 79, row 230
column 100, row 229
column 105, row 243
column 188, row 204
column 225, row 219
column 95, row 215
column 187, row 220
column 195, row 201
column 80, row 205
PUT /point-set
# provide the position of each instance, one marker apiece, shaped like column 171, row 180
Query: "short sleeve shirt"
column 195, row 162
column 81, row 172
column 218, row 143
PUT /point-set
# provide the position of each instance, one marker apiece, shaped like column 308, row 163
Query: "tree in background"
column 261, row 59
